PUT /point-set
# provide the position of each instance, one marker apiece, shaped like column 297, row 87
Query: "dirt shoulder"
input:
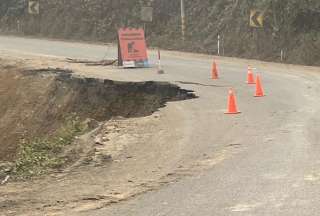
column 128, row 157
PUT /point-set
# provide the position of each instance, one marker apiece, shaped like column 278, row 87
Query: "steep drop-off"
column 37, row 103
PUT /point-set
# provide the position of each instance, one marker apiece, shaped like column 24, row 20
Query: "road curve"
column 265, row 161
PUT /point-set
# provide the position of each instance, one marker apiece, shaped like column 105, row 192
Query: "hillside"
column 290, row 25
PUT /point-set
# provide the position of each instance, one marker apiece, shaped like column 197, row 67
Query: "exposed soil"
column 34, row 103
column 120, row 158
column 106, row 167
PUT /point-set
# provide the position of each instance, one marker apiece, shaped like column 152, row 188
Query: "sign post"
column 183, row 20
column 132, row 48
column 120, row 61
column 34, row 11
column 218, row 45
column 146, row 16
column 257, row 21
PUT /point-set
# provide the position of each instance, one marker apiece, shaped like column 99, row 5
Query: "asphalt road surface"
column 268, row 157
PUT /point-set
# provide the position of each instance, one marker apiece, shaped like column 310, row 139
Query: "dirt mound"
column 290, row 25
column 35, row 103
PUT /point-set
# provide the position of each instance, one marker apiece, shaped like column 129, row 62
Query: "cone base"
column 232, row 113
column 160, row 71
column 259, row 95
column 214, row 76
column 251, row 83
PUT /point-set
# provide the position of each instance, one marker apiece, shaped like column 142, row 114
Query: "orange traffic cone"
column 232, row 103
column 214, row 71
column 250, row 76
column 259, row 89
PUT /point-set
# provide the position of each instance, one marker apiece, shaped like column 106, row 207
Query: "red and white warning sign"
column 132, row 48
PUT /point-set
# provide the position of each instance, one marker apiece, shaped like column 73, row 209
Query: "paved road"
column 267, row 159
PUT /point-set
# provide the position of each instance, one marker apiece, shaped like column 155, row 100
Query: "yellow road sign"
column 34, row 7
column 256, row 18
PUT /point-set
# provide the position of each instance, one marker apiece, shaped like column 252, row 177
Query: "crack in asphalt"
column 200, row 84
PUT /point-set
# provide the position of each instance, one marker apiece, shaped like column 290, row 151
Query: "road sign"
column 34, row 7
column 147, row 14
column 132, row 48
column 256, row 18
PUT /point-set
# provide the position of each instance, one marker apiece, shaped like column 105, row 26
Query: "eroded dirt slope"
column 121, row 158
column 35, row 103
